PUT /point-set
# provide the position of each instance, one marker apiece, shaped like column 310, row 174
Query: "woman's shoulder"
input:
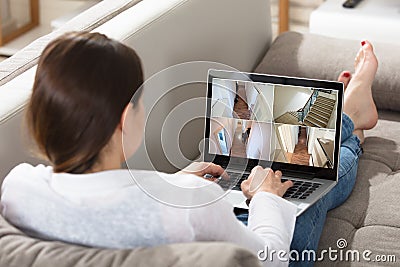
column 24, row 171
column 25, row 167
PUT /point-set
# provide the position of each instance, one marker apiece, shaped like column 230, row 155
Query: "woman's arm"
column 271, row 218
column 271, row 225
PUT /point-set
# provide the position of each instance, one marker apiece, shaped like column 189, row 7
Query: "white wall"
column 264, row 103
column 289, row 98
column 223, row 98
column 49, row 9
column 332, row 121
column 251, row 94
column 267, row 91
column 5, row 10
column 275, row 141
column 289, row 135
column 259, row 142
column 20, row 11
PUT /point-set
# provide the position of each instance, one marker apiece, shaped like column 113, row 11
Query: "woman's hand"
column 264, row 180
column 202, row 168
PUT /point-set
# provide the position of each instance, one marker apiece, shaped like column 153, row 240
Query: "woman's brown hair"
column 83, row 83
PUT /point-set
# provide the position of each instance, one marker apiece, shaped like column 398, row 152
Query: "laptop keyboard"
column 299, row 190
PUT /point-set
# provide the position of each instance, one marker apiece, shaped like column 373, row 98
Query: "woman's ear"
column 127, row 108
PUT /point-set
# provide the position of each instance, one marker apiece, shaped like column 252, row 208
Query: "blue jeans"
column 309, row 225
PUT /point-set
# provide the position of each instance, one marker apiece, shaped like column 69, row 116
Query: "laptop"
column 284, row 123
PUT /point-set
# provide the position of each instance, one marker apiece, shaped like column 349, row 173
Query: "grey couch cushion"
column 19, row 250
column 313, row 56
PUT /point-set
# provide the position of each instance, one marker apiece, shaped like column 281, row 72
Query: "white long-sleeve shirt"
column 131, row 208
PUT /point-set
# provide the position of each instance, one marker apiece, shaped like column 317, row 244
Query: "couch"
column 170, row 32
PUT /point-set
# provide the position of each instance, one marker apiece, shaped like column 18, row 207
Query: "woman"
column 80, row 113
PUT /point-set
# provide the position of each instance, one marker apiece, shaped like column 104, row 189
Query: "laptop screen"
column 287, row 122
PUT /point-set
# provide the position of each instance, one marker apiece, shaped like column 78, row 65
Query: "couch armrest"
column 318, row 57
column 19, row 250
column 169, row 32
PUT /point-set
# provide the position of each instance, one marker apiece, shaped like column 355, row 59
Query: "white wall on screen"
column 289, row 98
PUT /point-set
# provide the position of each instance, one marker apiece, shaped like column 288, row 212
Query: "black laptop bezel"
column 287, row 169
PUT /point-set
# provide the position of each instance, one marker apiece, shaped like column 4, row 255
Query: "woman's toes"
column 345, row 77
column 366, row 63
column 366, row 45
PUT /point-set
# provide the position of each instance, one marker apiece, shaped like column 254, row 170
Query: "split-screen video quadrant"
column 281, row 123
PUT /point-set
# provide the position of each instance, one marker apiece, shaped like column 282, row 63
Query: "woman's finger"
column 269, row 172
column 256, row 169
column 287, row 185
column 245, row 186
column 215, row 170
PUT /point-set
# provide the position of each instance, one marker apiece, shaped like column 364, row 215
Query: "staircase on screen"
column 320, row 112
column 318, row 116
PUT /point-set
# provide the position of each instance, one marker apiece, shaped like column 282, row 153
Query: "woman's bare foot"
column 358, row 102
column 366, row 63
column 360, row 135
column 344, row 77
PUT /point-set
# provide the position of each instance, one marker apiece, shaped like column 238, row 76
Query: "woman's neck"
column 110, row 159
